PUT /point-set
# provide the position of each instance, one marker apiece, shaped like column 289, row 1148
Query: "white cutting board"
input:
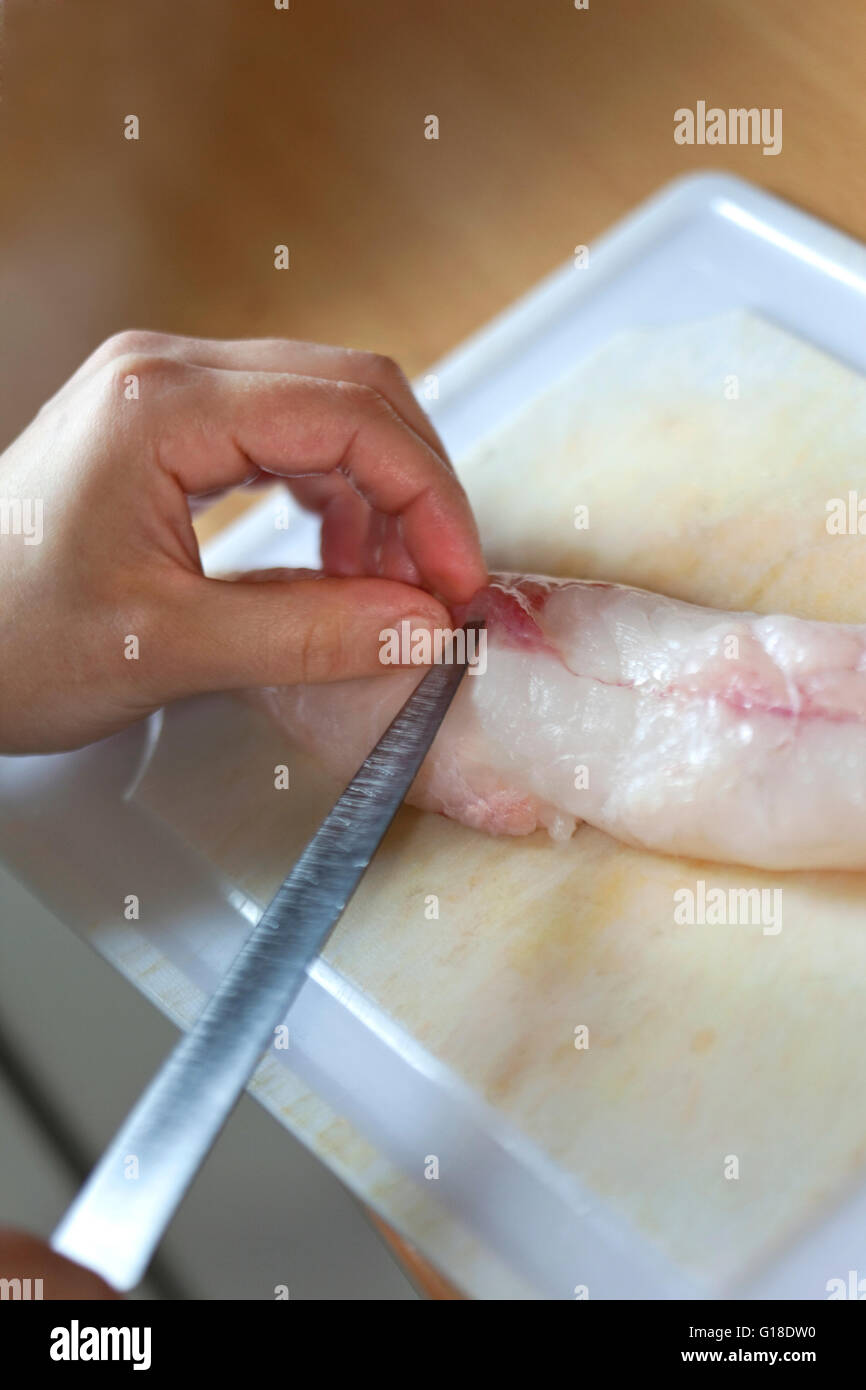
column 454, row 1038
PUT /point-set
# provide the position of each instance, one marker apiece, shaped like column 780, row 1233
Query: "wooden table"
column 306, row 127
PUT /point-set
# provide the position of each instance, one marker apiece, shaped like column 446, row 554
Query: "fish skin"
column 723, row 736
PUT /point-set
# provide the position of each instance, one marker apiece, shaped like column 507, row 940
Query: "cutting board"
column 720, row 1103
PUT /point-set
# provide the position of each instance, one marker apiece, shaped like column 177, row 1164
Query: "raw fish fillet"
column 724, row 736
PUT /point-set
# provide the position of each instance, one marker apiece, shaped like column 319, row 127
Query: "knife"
column 119, row 1217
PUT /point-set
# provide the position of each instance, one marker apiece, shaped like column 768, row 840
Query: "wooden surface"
column 306, row 127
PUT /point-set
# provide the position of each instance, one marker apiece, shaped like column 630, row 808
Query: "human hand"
column 108, row 467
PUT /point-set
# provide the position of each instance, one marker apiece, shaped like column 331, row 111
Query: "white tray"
column 72, row 835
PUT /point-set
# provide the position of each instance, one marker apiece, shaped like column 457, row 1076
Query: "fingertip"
column 462, row 583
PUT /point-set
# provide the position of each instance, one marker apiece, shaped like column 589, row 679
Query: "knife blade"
column 117, row 1220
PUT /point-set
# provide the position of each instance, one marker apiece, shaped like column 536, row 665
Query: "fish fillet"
column 686, row 730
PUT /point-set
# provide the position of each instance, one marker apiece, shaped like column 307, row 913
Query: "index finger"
column 219, row 424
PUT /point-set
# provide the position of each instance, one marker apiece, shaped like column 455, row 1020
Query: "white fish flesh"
column 686, row 730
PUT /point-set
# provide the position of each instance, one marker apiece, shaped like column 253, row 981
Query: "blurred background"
column 306, row 127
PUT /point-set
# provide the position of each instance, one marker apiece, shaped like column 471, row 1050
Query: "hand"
column 106, row 615
column 24, row 1257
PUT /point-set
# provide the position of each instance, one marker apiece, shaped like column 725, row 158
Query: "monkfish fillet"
column 724, row 736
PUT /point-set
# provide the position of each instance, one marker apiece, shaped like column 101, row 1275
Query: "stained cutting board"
column 721, row 1102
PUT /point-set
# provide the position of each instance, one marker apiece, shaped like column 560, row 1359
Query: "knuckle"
column 386, row 365
column 365, row 400
column 309, row 655
column 150, row 367
column 132, row 340
column 384, row 370
column 322, row 653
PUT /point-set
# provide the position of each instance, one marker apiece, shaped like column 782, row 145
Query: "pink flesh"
column 723, row 736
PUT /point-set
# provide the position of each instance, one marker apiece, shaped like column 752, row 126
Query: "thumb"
column 228, row 634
